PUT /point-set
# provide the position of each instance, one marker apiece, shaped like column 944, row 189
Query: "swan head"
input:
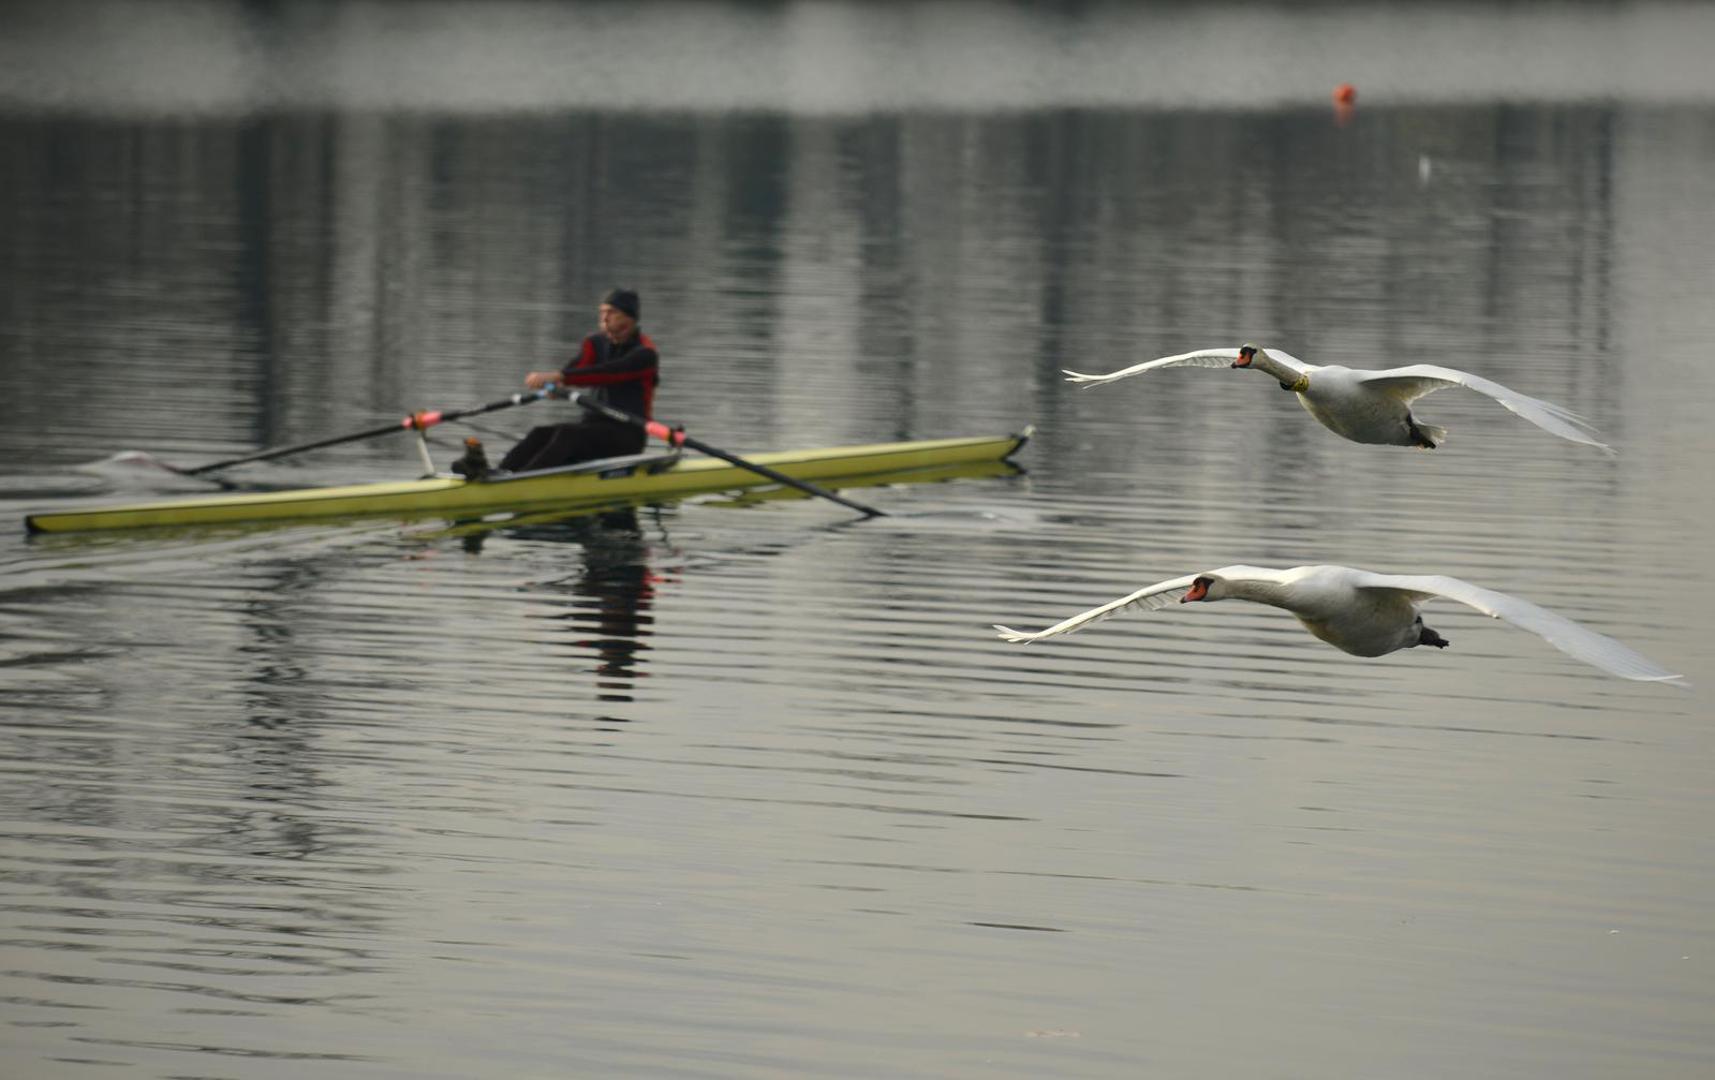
column 1202, row 589
column 1233, row 583
column 1255, row 356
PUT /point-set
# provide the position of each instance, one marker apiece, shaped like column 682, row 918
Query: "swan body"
column 1364, row 613
column 1368, row 406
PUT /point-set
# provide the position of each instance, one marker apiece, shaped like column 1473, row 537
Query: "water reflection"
column 614, row 591
column 294, row 295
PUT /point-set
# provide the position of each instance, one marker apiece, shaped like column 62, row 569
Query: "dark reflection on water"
column 614, row 590
column 745, row 786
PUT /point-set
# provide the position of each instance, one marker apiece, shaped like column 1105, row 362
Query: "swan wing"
column 1410, row 383
column 1213, row 358
column 1564, row 634
column 1149, row 598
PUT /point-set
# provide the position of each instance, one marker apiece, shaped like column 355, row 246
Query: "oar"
column 417, row 421
column 677, row 437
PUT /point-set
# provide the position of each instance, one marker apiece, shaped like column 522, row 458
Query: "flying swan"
column 1366, row 614
column 1367, row 406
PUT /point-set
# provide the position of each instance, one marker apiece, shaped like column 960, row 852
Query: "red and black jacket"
column 623, row 375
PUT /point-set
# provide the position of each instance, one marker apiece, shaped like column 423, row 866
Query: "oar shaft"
column 417, row 421
column 282, row 451
column 677, row 437
column 777, row 476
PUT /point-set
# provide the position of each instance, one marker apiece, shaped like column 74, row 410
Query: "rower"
column 618, row 366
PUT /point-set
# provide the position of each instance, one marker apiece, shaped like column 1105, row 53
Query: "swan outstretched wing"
column 1564, row 634
column 1201, row 358
column 1148, row 598
column 1411, row 383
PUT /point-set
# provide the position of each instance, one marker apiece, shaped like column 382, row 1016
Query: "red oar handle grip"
column 670, row 435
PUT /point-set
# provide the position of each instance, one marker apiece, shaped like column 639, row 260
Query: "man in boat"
column 617, row 366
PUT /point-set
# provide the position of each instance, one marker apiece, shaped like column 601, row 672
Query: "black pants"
column 567, row 444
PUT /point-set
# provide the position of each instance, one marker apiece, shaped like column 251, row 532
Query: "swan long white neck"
column 1272, row 593
column 1298, row 381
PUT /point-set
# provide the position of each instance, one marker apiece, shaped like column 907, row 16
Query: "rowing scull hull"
column 456, row 497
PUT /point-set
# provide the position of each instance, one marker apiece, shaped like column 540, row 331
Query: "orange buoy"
column 1345, row 94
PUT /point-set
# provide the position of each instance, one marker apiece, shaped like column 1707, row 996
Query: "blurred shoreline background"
column 204, row 56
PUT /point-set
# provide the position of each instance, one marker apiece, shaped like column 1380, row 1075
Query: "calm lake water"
column 718, row 790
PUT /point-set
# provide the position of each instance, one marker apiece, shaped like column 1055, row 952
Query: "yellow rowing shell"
column 620, row 480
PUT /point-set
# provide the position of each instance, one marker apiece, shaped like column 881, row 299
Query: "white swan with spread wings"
column 1364, row 613
column 1367, row 406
